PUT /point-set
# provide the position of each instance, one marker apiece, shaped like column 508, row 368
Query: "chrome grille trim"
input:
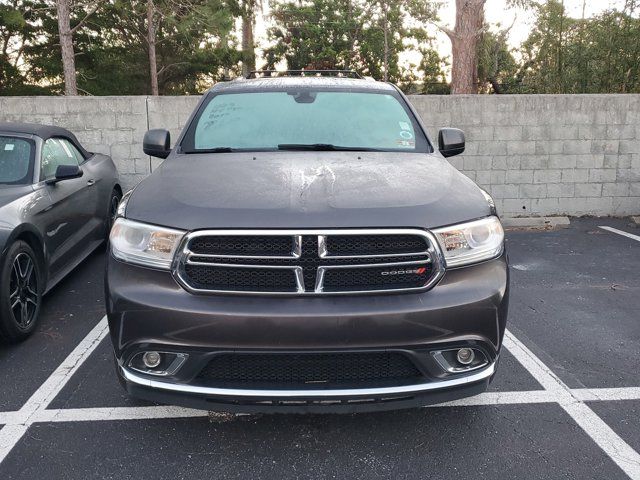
column 433, row 256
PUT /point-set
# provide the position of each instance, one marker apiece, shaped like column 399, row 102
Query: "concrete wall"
column 547, row 154
column 537, row 155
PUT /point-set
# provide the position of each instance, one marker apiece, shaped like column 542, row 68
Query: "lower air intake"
column 307, row 369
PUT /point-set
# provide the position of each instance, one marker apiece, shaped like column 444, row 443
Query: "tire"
column 21, row 287
column 114, row 200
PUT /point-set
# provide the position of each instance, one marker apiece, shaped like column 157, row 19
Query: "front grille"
column 243, row 279
column 376, row 278
column 308, row 369
column 242, row 245
column 308, row 262
column 360, row 245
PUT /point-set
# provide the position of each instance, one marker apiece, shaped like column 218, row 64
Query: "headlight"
column 122, row 206
column 143, row 244
column 490, row 202
column 471, row 242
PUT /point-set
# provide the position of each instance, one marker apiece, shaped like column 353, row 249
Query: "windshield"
column 302, row 119
column 16, row 160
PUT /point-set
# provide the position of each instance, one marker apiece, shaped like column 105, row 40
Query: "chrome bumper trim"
column 315, row 393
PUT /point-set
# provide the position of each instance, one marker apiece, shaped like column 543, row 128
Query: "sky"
column 496, row 11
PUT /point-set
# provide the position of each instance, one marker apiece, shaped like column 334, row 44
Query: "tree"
column 569, row 55
column 464, row 45
column 188, row 40
column 367, row 36
column 151, row 47
column 434, row 79
column 383, row 39
column 315, row 34
column 65, row 32
column 16, row 32
column 465, row 41
column 497, row 67
column 248, row 12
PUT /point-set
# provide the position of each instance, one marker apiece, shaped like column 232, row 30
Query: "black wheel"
column 112, row 212
column 20, row 293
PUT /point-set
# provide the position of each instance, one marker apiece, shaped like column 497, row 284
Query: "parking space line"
column 11, row 434
column 16, row 423
column 610, row 442
column 118, row 413
column 502, row 398
column 163, row 412
column 10, row 418
column 607, row 394
column 621, row 232
column 524, row 397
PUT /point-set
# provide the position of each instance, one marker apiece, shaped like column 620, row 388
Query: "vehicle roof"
column 300, row 81
column 43, row 131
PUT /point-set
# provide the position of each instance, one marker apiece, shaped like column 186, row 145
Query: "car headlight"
column 144, row 244
column 471, row 242
column 122, row 206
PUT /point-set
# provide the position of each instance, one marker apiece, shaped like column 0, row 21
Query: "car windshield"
column 305, row 119
column 16, row 160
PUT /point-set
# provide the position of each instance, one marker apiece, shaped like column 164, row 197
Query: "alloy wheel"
column 23, row 290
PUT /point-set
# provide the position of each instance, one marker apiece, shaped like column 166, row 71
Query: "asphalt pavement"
column 564, row 404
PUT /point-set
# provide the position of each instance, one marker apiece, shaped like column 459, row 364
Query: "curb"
column 530, row 222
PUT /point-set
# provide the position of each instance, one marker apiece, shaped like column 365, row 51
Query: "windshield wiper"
column 323, row 147
column 211, row 150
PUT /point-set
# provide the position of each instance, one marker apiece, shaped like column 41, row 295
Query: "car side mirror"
column 451, row 142
column 157, row 143
column 65, row 172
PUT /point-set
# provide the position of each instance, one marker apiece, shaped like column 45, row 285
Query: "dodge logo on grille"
column 414, row 271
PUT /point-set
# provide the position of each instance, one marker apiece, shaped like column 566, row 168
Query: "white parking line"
column 621, row 232
column 606, row 394
column 615, row 447
column 11, row 434
column 526, row 397
column 118, row 413
column 555, row 391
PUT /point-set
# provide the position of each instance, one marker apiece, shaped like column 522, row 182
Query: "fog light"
column 152, row 359
column 465, row 356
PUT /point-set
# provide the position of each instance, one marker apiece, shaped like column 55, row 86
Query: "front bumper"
column 148, row 310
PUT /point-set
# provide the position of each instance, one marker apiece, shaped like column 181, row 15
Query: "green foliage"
column 346, row 34
column 192, row 47
column 434, row 78
column 315, row 34
column 497, row 67
column 196, row 45
column 595, row 55
column 17, row 29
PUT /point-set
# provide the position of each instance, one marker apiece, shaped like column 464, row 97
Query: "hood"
column 306, row 190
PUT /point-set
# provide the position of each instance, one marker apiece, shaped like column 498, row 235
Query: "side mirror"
column 157, row 143
column 451, row 142
column 65, row 172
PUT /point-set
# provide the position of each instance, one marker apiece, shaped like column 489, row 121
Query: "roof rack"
column 303, row 73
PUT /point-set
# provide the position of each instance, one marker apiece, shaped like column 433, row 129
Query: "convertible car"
column 57, row 204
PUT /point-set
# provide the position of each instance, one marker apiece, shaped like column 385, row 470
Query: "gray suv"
column 305, row 247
